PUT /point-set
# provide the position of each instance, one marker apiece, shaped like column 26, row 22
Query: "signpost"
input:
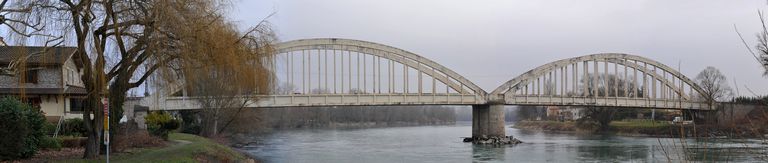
column 105, row 102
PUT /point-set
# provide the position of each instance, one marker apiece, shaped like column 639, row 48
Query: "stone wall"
column 49, row 77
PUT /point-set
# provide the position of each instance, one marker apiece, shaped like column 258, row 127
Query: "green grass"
column 639, row 124
column 198, row 147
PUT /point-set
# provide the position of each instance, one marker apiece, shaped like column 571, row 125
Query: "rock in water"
column 493, row 140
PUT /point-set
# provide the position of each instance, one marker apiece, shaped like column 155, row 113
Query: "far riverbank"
column 641, row 128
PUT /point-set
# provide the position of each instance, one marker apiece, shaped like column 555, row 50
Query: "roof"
column 75, row 91
column 45, row 91
column 48, row 55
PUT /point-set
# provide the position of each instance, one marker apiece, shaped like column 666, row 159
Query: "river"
column 443, row 144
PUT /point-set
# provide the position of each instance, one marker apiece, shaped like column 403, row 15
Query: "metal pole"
column 653, row 78
column 334, row 71
column 342, row 71
column 349, row 70
column 595, row 79
column 358, row 72
column 325, row 54
column 303, row 72
column 378, row 66
column 420, row 79
column 605, row 79
column 288, row 69
column 575, row 76
column 292, row 74
column 389, row 76
column 309, row 73
column 562, row 80
column 319, row 70
column 615, row 80
column 634, row 90
column 646, row 90
column 405, row 77
column 626, row 80
column 373, row 70
column 586, row 79
column 434, row 82
column 365, row 71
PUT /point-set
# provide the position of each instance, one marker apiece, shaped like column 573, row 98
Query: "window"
column 31, row 77
column 76, row 105
column 34, row 102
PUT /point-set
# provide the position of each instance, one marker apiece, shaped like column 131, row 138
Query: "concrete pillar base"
column 488, row 121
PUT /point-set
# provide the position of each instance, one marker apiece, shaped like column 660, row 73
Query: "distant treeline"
column 751, row 100
column 264, row 119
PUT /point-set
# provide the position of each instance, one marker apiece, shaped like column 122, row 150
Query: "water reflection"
column 443, row 144
column 613, row 153
column 488, row 152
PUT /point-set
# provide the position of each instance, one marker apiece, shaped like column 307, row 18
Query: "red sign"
column 105, row 102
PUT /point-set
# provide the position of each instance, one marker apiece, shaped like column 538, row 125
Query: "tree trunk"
column 94, row 125
column 208, row 128
column 117, row 93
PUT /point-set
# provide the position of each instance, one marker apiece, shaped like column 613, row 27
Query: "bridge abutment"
column 488, row 121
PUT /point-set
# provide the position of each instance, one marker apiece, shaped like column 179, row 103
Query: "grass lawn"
column 185, row 148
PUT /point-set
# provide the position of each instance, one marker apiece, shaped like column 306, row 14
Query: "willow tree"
column 227, row 70
column 121, row 43
column 23, row 22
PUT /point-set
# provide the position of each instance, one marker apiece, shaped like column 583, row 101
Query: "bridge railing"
column 605, row 102
column 185, row 103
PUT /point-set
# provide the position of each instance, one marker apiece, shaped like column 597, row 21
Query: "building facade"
column 49, row 79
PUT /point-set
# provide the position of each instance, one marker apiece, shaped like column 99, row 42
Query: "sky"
column 492, row 41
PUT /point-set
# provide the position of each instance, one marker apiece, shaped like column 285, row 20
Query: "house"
column 563, row 113
column 49, row 81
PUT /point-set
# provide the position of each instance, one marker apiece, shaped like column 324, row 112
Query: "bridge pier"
column 488, row 121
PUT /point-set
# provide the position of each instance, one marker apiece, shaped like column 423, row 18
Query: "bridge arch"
column 413, row 61
column 642, row 83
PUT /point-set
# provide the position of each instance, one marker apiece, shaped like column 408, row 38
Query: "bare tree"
column 714, row 85
column 761, row 56
column 286, row 89
column 603, row 116
column 122, row 43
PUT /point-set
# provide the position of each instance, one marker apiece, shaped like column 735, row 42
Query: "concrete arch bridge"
column 344, row 72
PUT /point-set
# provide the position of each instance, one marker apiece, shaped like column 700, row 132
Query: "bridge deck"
column 606, row 102
column 188, row 103
column 191, row 103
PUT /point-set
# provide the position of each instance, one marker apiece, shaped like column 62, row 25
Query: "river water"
column 443, row 144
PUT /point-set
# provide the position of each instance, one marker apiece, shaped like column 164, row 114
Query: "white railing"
column 188, row 103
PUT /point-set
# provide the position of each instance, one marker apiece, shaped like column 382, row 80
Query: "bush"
column 73, row 142
column 72, row 127
column 189, row 123
column 51, row 143
column 21, row 129
column 160, row 123
column 137, row 139
column 49, row 128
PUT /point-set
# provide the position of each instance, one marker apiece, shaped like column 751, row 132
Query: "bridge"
column 344, row 72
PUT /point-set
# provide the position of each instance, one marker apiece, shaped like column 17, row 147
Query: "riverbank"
column 645, row 128
column 181, row 148
column 622, row 128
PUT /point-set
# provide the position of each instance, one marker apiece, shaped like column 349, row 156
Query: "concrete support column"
column 488, row 120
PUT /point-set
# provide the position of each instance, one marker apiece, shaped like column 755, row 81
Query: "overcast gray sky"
column 492, row 41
